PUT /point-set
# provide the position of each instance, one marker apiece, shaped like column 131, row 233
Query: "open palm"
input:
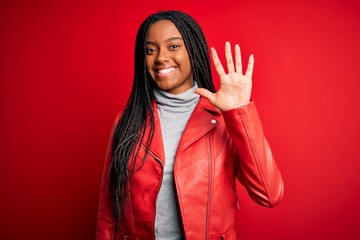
column 235, row 87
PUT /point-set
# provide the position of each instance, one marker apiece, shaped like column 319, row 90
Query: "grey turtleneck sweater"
column 174, row 113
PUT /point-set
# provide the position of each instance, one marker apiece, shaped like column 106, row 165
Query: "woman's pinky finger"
column 250, row 67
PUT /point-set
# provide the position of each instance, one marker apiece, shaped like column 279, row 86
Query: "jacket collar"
column 207, row 106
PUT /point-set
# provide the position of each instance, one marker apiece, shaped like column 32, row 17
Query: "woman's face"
column 167, row 60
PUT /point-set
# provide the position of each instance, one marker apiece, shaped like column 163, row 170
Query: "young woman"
column 178, row 146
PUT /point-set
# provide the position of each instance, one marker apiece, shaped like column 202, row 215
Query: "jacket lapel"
column 157, row 147
column 202, row 120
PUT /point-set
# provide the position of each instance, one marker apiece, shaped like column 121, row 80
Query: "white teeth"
column 166, row 70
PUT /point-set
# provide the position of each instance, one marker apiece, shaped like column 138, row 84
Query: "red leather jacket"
column 215, row 149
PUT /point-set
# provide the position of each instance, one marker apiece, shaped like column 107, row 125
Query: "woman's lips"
column 164, row 72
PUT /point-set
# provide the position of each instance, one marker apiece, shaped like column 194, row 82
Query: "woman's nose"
column 162, row 56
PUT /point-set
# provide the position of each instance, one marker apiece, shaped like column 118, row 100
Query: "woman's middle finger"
column 228, row 57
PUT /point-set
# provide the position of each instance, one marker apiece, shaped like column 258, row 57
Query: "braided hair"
column 139, row 108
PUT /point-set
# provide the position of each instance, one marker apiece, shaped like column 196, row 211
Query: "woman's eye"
column 174, row 47
column 150, row 50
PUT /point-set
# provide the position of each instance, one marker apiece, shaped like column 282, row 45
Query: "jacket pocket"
column 122, row 237
column 231, row 235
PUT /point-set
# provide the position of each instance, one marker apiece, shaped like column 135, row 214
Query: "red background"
column 66, row 70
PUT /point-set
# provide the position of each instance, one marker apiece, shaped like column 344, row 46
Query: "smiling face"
column 167, row 60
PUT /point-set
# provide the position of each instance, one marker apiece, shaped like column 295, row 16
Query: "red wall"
column 66, row 70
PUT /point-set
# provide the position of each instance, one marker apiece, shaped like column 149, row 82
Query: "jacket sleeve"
column 256, row 167
column 105, row 224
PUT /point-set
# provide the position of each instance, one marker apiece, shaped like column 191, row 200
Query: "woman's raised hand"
column 235, row 87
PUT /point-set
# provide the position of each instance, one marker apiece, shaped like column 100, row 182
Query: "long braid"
column 130, row 129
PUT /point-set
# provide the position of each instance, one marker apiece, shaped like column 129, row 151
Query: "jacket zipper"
column 157, row 199
column 158, row 190
column 209, row 187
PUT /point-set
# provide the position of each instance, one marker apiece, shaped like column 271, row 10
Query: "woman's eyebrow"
column 173, row 38
column 167, row 40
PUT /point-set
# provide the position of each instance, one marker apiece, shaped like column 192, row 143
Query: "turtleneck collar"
column 177, row 103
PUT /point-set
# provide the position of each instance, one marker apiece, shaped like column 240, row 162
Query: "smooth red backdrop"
column 66, row 70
